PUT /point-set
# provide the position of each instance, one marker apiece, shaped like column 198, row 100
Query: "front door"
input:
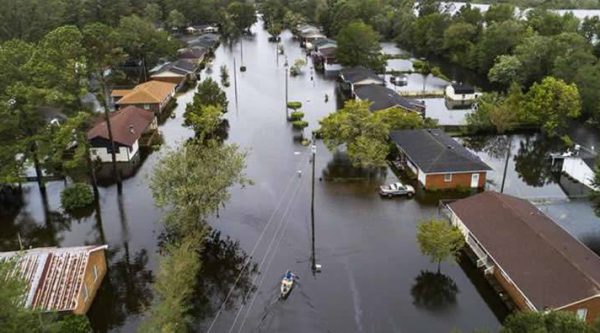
column 474, row 180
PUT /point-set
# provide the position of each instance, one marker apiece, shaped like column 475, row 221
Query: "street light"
column 286, row 65
column 313, row 150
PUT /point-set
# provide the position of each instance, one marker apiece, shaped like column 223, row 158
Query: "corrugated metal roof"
column 54, row 275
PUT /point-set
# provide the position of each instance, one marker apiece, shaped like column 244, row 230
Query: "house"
column 208, row 41
column 308, row 34
column 60, row 279
column 438, row 161
column 194, row 54
column 323, row 43
column 459, row 94
column 383, row 98
column 324, row 58
column 202, row 29
column 350, row 78
column 177, row 72
column 152, row 95
column 128, row 126
column 536, row 262
column 580, row 165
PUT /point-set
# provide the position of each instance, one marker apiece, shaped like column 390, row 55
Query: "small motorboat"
column 287, row 283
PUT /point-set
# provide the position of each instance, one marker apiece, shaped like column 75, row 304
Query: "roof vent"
column 450, row 147
column 131, row 129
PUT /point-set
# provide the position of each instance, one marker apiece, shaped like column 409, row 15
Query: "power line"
column 284, row 223
column 247, row 263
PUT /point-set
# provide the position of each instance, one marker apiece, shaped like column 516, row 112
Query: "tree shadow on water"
column 434, row 291
column 340, row 169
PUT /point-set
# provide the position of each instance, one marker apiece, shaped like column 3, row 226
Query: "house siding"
column 592, row 306
column 98, row 259
column 124, row 154
column 437, row 182
column 512, row 291
column 576, row 168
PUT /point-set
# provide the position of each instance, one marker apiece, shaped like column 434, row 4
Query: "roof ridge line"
column 562, row 254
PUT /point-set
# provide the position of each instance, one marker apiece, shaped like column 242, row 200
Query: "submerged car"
column 396, row 189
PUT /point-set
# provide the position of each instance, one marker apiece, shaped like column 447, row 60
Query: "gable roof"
column 180, row 67
column 384, row 98
column 324, row 41
column 359, row 73
column 194, row 52
column 433, row 151
column 54, row 276
column 328, row 51
column 547, row 264
column 127, row 124
column 148, row 93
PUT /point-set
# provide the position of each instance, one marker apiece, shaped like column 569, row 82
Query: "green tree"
column 439, row 240
column 209, row 93
column 428, row 33
column 506, row 70
column 459, row 40
column 423, row 68
column 550, row 104
column 551, row 322
column 535, row 54
column 498, row 13
column 497, row 39
column 587, row 79
column 205, row 120
column 176, row 19
column 152, row 12
column 595, row 195
column 548, row 23
column 243, row 14
column 358, row 45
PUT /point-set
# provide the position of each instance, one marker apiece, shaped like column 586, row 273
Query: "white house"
column 128, row 125
column 459, row 92
column 580, row 166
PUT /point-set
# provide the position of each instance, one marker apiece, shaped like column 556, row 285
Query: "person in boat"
column 289, row 275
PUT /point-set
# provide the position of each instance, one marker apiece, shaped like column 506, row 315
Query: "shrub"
column 294, row 105
column 78, row 195
column 296, row 115
column 300, row 124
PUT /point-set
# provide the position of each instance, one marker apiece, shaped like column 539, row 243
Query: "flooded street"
column 373, row 278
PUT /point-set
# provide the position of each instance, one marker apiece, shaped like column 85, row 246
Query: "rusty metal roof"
column 54, row 275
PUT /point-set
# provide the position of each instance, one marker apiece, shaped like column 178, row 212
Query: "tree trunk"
column 38, row 168
column 92, row 173
column 439, row 264
column 116, row 173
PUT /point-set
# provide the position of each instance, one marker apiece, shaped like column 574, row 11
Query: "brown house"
column 537, row 263
column 60, row 279
column 152, row 95
column 438, row 161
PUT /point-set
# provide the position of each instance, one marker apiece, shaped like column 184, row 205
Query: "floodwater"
column 373, row 278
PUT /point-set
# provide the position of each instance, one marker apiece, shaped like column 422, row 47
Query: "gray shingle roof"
column 357, row 74
column 433, row 151
column 384, row 98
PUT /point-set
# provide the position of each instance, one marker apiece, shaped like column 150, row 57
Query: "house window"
column 95, row 270
column 581, row 313
column 448, row 177
column 86, row 293
column 146, row 106
column 94, row 152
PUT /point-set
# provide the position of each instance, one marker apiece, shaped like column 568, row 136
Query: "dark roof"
column 433, row 151
column 127, row 124
column 384, row 98
column 357, row 74
column 328, row 51
column 461, row 88
column 322, row 41
column 591, row 162
column 546, row 263
column 181, row 66
column 192, row 52
column 206, row 40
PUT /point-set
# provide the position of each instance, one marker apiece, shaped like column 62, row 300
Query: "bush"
column 296, row 115
column 300, row 124
column 78, row 195
column 294, row 105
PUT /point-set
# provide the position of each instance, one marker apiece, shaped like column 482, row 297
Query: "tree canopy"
column 358, row 45
column 439, row 240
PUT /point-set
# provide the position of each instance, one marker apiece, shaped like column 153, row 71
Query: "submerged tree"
column 546, row 322
column 439, row 240
column 358, row 45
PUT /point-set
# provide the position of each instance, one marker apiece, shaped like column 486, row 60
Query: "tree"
column 428, row 33
column 205, row 120
column 587, row 79
column 439, row 240
column 152, row 12
column 104, row 54
column 550, row 322
column 550, row 104
column 209, row 93
column 176, row 19
column 459, row 40
column 243, row 14
column 596, row 193
column 358, row 45
column 423, row 68
column 497, row 39
column 535, row 55
column 506, row 70
column 498, row 13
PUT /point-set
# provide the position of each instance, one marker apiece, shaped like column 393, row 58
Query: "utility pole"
column 235, row 81
column 286, row 65
column 312, row 205
column 508, row 149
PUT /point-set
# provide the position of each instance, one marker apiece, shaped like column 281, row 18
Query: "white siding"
column 422, row 176
column 577, row 169
column 459, row 97
column 124, row 154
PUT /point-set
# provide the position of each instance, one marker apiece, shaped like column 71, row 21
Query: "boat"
column 287, row 283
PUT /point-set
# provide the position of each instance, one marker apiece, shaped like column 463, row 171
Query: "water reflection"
column 531, row 160
column 434, row 291
column 125, row 291
column 222, row 262
column 340, row 169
